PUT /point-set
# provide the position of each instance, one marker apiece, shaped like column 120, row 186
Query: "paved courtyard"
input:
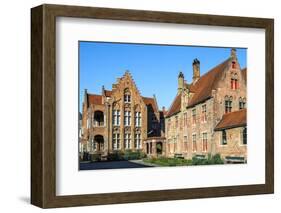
column 111, row 165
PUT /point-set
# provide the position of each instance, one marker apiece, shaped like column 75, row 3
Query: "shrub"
column 142, row 155
column 95, row 157
column 210, row 160
column 130, row 155
column 115, row 156
column 216, row 159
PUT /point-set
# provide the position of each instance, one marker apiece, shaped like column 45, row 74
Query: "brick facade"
column 199, row 107
column 207, row 116
column 120, row 119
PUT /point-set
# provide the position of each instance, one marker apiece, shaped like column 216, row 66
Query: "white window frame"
column 116, row 117
column 116, row 141
column 127, row 141
column 127, row 118
column 137, row 119
column 127, row 98
column 138, row 140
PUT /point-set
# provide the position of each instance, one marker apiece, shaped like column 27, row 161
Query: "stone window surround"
column 203, row 138
column 127, row 140
column 242, row 137
column 222, row 138
column 194, row 142
column 116, row 141
column 204, row 113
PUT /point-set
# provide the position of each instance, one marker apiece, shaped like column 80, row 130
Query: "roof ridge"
column 236, row 111
column 232, row 119
column 146, row 97
column 93, row 94
column 202, row 89
column 212, row 69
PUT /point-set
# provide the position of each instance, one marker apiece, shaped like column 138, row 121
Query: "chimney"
column 180, row 82
column 86, row 97
column 196, row 70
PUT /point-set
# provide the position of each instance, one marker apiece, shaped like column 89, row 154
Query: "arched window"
column 242, row 103
column 234, row 81
column 127, row 96
column 98, row 118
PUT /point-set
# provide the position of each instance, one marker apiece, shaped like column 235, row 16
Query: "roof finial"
column 102, row 89
column 233, row 53
column 127, row 72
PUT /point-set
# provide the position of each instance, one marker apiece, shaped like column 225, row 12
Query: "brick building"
column 121, row 119
column 208, row 116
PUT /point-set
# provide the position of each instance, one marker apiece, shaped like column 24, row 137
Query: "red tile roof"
column 232, row 120
column 94, row 99
column 202, row 89
column 244, row 73
column 107, row 93
column 175, row 107
column 97, row 99
column 150, row 101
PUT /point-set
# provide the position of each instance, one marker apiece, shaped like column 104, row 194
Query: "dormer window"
column 127, row 96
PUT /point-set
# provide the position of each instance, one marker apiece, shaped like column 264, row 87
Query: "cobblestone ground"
column 110, row 165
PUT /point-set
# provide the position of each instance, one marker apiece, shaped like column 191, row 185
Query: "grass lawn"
column 162, row 161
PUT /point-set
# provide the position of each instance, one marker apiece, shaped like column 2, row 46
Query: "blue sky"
column 154, row 67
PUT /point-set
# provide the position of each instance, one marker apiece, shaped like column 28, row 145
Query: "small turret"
column 233, row 54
